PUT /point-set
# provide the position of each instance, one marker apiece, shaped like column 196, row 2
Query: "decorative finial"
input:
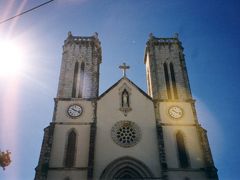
column 69, row 33
column 95, row 35
column 124, row 67
column 176, row 35
column 150, row 35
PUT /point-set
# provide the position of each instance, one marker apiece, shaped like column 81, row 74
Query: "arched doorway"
column 126, row 168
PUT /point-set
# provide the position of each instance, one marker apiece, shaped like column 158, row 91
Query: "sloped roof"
column 125, row 78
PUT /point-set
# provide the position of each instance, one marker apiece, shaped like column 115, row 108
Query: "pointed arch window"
column 82, row 69
column 71, row 149
column 167, row 81
column 182, row 152
column 75, row 79
column 173, row 81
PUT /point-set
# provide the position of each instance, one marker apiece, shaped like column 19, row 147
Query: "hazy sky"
column 209, row 31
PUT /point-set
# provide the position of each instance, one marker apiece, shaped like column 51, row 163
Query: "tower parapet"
column 87, row 40
column 165, row 41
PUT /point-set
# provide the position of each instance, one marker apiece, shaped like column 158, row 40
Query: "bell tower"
column 183, row 145
column 79, row 76
column 68, row 142
column 166, row 69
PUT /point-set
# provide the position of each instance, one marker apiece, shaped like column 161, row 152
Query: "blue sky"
column 209, row 31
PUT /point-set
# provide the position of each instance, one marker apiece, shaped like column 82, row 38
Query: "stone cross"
column 124, row 67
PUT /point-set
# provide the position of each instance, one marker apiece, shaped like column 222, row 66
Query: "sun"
column 11, row 58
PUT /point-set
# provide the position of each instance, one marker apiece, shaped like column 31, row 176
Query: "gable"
column 129, row 83
column 124, row 104
column 124, row 98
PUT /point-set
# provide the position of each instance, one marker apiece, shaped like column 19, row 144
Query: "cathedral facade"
column 124, row 133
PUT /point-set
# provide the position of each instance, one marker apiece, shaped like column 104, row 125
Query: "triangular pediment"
column 128, row 83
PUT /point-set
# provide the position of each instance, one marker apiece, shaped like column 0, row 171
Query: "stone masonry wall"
column 158, row 52
column 80, row 49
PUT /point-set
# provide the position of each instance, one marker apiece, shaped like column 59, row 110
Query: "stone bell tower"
column 183, row 145
column 67, row 147
column 79, row 76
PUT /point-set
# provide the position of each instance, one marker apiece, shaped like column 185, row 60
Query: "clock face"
column 74, row 110
column 175, row 112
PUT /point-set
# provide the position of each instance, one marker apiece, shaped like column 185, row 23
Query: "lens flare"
column 11, row 58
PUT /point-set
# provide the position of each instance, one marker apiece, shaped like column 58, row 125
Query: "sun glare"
column 11, row 58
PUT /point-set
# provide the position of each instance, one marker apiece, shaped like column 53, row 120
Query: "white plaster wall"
column 192, row 144
column 187, row 118
column 185, row 124
column 85, row 117
column 72, row 174
column 60, row 143
column 106, row 150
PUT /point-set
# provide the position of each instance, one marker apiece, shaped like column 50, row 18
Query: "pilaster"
column 43, row 163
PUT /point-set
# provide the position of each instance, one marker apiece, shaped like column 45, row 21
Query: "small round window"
column 126, row 133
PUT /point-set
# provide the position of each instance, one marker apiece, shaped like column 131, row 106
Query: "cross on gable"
column 124, row 68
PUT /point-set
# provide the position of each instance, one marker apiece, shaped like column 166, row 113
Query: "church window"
column 81, row 79
column 173, row 81
column 71, row 148
column 75, row 80
column 167, row 81
column 126, row 133
column 125, row 99
column 182, row 152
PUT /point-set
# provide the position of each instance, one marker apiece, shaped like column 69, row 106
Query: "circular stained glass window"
column 126, row 133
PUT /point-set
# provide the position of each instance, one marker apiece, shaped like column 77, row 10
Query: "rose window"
column 126, row 133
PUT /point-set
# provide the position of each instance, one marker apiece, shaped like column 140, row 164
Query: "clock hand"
column 177, row 112
column 76, row 110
